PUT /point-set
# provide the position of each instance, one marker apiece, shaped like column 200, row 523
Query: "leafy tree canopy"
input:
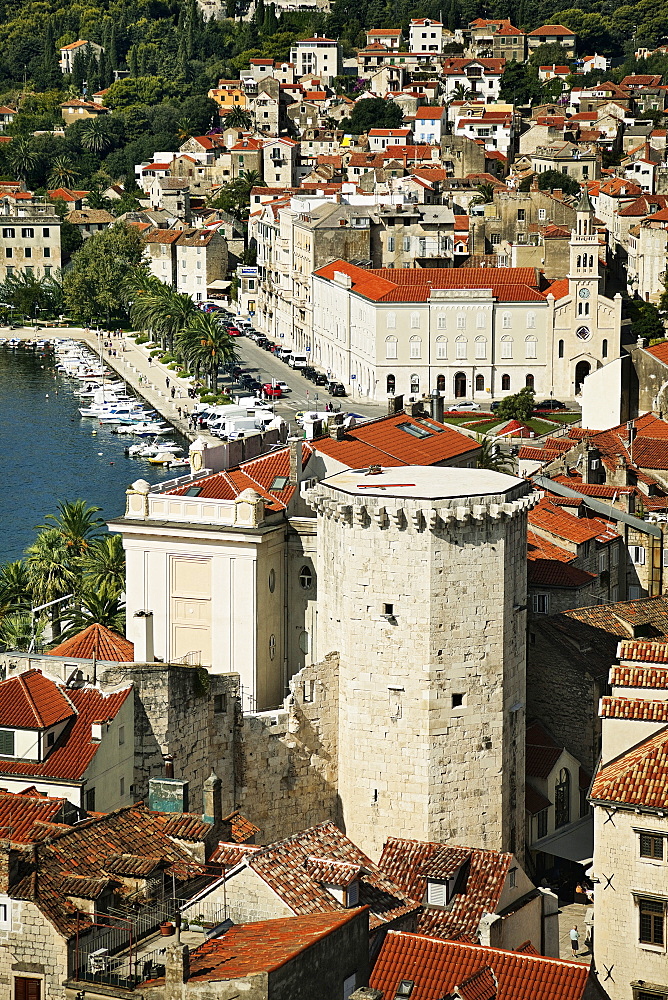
column 517, row 407
column 373, row 112
column 94, row 283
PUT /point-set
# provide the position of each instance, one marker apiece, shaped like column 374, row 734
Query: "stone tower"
column 422, row 577
column 583, row 276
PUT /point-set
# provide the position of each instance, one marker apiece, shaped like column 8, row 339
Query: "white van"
column 298, row 361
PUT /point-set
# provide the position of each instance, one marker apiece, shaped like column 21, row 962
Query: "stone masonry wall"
column 432, row 695
column 32, row 948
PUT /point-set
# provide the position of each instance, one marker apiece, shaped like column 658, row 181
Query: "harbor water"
column 50, row 454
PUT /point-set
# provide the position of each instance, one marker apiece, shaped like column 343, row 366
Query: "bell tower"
column 583, row 277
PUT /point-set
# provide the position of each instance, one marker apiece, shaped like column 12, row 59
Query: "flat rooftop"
column 423, row 482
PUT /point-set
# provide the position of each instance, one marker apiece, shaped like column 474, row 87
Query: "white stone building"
column 30, row 235
column 425, row 35
column 428, row 125
column 82, row 47
column 317, row 57
column 466, row 332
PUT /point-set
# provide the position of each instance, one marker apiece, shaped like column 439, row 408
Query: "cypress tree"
column 112, row 54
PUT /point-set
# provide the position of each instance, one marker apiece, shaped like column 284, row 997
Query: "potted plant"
column 167, row 928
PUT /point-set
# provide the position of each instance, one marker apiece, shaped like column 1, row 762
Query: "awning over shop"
column 574, row 842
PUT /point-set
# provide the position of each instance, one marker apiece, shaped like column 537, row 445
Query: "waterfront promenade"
column 131, row 361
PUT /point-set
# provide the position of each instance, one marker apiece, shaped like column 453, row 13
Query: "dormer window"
column 404, row 989
column 437, row 893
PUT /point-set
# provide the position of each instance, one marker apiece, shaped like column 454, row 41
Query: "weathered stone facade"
column 424, row 599
column 31, row 948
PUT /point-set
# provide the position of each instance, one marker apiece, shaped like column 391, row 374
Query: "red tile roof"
column 20, row 814
column 551, row 517
column 644, row 651
column 263, row 946
column 97, row 641
column 552, row 29
column 438, row 968
column 242, row 828
column 635, row 709
column 409, row 863
column 74, row 749
column 32, row 701
column 534, row 802
column 639, row 677
column 638, row 777
column 542, row 751
column 550, row 566
column 283, row 866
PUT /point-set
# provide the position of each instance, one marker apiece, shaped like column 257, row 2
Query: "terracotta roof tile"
column 646, row 652
column 19, row 814
column 75, row 748
column 228, row 855
column 283, row 867
column 408, row 862
column 32, row 701
column 437, row 968
column 635, row 709
column 552, row 518
column 638, row 777
column 542, row 751
column 242, row 828
column 639, row 677
column 97, row 641
column 328, row 872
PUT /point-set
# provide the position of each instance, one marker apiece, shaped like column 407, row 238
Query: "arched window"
column 440, row 383
column 578, row 261
column 415, row 345
column 481, row 348
column 391, row 321
column 390, row 347
column 441, row 348
column 561, row 348
column 531, row 321
column 562, row 798
column 415, row 385
column 460, row 385
column 440, row 322
column 506, row 321
column 506, row 347
column 479, row 383
column 531, row 347
column 461, row 321
column 529, row 382
column 415, row 321
column 390, row 383
column 604, row 349
column 480, row 320
column 306, row 577
column 505, row 383
column 461, row 348
column 591, row 260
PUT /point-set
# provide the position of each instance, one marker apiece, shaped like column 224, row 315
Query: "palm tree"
column 76, row 525
column 62, row 173
column 104, row 567
column 238, row 118
column 491, row 457
column 95, row 135
column 460, row 93
column 50, row 571
column 485, row 194
column 22, row 158
column 17, row 631
column 96, row 609
column 14, row 586
column 206, row 342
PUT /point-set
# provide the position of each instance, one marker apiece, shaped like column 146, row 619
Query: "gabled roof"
column 638, row 777
column 551, row 29
column 438, row 968
column 549, row 565
column 74, row 749
column 409, row 863
column 21, row 815
column 542, row 751
column 32, row 701
column 551, row 517
column 284, row 868
column 96, row 641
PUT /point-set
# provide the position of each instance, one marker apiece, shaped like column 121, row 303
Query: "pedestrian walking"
column 173, row 392
column 575, row 939
column 167, row 383
column 178, row 410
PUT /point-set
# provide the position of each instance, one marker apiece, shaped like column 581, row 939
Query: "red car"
column 233, row 332
column 271, row 391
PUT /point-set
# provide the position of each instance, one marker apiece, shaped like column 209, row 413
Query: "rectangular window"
column 28, row 234
column 437, row 893
column 540, row 604
column 8, row 234
column 481, row 349
column 28, row 252
column 27, row 989
column 652, row 916
column 415, row 349
column 121, row 787
column 530, row 349
column 651, row 846
column 442, row 351
column 406, row 243
column 9, row 253
column 5, row 915
column 495, row 239
column 390, row 244
column 7, row 742
column 634, row 593
column 460, row 350
column 45, row 232
column 637, row 554
column 542, row 824
column 390, row 350
column 440, row 322
column 542, row 214
column 47, row 251
column 90, row 800
column 602, row 562
column 521, row 215
column 615, row 555
column 121, row 735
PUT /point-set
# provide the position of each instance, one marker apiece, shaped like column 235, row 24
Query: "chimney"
column 168, row 795
column 437, row 407
column 169, row 765
column 558, row 194
column 295, row 444
column 213, row 812
column 415, row 408
column 395, row 404
column 177, row 967
column 534, row 184
column 143, row 642
column 335, row 427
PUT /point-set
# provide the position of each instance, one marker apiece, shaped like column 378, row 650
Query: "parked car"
column 234, row 331
column 321, row 379
column 283, row 386
column 464, row 405
column 262, row 342
column 271, row 391
column 550, row 404
column 337, row 389
column 495, row 405
column 309, row 373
